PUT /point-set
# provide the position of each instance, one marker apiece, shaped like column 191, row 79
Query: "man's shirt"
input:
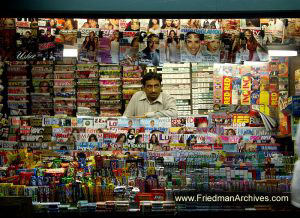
column 163, row 106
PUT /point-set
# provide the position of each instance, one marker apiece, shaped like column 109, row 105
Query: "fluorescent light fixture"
column 251, row 63
column 279, row 53
column 70, row 52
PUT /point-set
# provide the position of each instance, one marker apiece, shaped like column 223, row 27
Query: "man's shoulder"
column 138, row 94
column 166, row 95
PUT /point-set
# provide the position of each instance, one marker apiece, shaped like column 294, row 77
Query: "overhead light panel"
column 70, row 52
column 280, row 53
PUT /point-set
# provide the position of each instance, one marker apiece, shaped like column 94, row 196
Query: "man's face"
column 213, row 46
column 153, row 43
column 193, row 44
column 152, row 89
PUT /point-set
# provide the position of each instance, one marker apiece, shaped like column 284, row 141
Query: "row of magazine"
column 130, row 41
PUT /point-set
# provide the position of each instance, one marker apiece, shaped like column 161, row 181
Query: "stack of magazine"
column 269, row 122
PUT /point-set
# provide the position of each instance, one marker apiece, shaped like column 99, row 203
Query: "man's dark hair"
column 149, row 76
column 151, row 36
column 191, row 33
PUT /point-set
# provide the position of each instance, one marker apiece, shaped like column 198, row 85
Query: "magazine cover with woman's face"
column 129, row 48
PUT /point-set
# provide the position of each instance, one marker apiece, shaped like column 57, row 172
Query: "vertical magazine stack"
column 64, row 90
column 176, row 81
column 87, row 89
column 110, row 91
column 18, row 87
column 42, row 92
column 202, row 88
column 132, row 76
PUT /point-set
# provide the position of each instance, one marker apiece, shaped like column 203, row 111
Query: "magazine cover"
column 178, row 122
column 67, row 37
column 190, row 43
column 108, row 47
column 283, row 69
column 91, row 137
column 27, row 43
column 230, row 36
column 149, row 49
column 250, row 46
column 87, row 23
column 130, row 123
column 250, row 23
column 88, row 44
column 151, row 25
column 8, row 32
column 211, row 47
column 292, row 31
column 264, row 82
column 108, row 24
column 255, row 95
column 170, row 46
column 255, row 118
column 46, row 43
column 273, row 30
column 129, row 25
column 149, row 122
column 129, row 48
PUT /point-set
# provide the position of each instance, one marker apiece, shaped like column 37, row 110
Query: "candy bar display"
column 87, row 89
column 42, row 90
column 132, row 76
column 64, row 89
column 119, row 166
column 18, row 88
column 110, row 90
column 176, row 81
